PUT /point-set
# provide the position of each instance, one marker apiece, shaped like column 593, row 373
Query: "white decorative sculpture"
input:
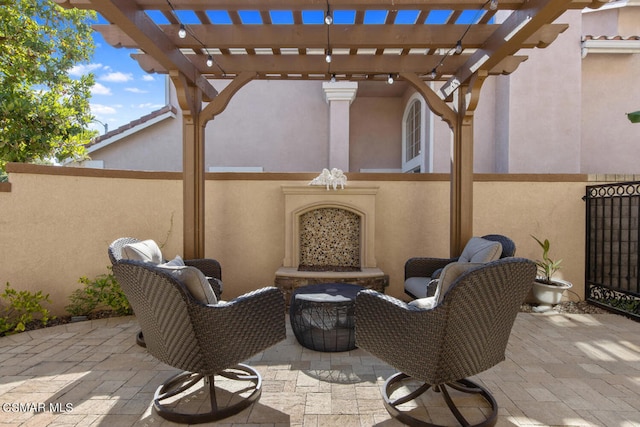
column 331, row 178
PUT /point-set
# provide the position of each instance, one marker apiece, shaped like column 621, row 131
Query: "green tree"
column 44, row 112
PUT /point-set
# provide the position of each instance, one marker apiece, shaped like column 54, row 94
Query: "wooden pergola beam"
column 315, row 64
column 363, row 36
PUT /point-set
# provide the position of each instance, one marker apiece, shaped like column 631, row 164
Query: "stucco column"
column 339, row 95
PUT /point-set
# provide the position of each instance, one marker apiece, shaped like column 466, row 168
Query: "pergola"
column 445, row 49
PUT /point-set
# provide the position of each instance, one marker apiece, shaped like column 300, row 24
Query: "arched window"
column 414, row 131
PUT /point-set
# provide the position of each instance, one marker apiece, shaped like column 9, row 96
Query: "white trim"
column 340, row 91
column 381, row 170
column 610, row 46
column 236, row 169
column 117, row 137
column 418, row 161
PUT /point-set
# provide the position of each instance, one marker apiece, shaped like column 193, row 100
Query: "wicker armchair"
column 209, row 267
column 426, row 268
column 464, row 334
column 203, row 340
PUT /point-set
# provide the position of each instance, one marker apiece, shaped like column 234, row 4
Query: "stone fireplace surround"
column 300, row 200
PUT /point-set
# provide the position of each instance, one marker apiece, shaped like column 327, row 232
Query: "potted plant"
column 547, row 291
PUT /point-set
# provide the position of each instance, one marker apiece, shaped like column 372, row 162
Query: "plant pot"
column 546, row 296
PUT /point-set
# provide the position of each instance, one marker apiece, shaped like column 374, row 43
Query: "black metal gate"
column 612, row 278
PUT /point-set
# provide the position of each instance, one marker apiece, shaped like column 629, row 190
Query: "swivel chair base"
column 463, row 385
column 184, row 381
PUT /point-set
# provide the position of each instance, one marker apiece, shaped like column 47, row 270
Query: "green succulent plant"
column 546, row 266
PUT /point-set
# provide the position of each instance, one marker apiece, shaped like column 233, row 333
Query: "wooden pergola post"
column 461, row 211
column 190, row 99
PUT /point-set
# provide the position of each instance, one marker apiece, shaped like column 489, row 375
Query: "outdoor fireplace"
column 329, row 237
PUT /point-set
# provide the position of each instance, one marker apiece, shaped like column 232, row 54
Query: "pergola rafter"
column 413, row 40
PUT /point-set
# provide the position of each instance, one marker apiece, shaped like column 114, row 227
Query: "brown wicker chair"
column 210, row 268
column 203, row 340
column 425, row 267
column 463, row 335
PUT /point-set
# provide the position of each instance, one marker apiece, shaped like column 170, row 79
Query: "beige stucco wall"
column 545, row 106
column 609, row 139
column 375, row 133
column 160, row 142
column 58, row 222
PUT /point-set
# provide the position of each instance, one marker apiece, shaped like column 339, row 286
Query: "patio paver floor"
column 561, row 370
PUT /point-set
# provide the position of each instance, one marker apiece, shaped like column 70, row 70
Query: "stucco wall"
column 606, row 131
column 279, row 125
column 545, row 106
column 58, row 222
column 161, row 142
column 375, row 133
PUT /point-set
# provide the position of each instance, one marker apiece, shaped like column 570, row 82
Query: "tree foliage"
column 44, row 111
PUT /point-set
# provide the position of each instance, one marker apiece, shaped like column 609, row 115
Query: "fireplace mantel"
column 302, row 199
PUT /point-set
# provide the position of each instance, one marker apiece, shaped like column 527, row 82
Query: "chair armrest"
column 234, row 331
column 404, row 336
column 424, row 267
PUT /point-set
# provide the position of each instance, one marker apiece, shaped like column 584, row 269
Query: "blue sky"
column 123, row 91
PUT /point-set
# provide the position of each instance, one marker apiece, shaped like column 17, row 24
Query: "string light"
column 390, row 79
column 328, row 57
column 433, row 74
column 459, row 47
column 209, row 61
column 328, row 18
column 182, row 32
column 333, row 78
column 493, row 4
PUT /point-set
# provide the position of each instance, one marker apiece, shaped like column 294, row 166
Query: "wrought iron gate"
column 612, row 276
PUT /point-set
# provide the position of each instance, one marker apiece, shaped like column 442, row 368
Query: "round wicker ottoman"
column 322, row 316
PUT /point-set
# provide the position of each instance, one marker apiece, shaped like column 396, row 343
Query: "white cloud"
column 117, row 77
column 148, row 78
column 135, row 90
column 100, row 89
column 102, row 109
column 82, row 69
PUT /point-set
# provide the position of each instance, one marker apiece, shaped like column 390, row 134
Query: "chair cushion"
column 195, row 282
column 417, row 286
column 449, row 274
column 478, row 249
column 424, row 303
column 146, row 250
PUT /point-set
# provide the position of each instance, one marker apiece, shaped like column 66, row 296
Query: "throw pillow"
column 146, row 250
column 176, row 262
column 478, row 249
column 195, row 282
